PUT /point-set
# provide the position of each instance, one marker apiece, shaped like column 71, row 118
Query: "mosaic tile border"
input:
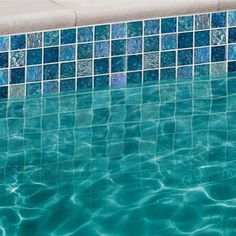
column 118, row 54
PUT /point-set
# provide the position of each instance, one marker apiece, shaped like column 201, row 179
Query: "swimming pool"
column 146, row 160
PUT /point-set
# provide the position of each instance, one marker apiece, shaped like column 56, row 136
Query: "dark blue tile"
column 3, row 77
column 85, row 51
column 3, row 92
column 185, row 57
column 202, row 70
column 85, row 34
column 201, row 55
column 134, row 78
column 50, row 72
column 102, row 49
column 168, row 25
column 101, row 82
column 67, row 70
column 168, row 73
column 4, row 43
column 118, row 30
column 218, row 19
column 34, row 56
column 68, row 36
column 169, row 41
column 51, row 38
column 202, row 38
column 118, row 47
column 134, row 45
column 33, row 89
column 151, row 27
column 102, row 32
column 118, row 64
column 50, row 87
column 202, row 21
column 218, row 54
column 232, row 67
column 232, row 18
column 151, row 44
column 134, row 62
column 51, row 55
column 67, row 53
column 150, row 76
column 101, row 66
column 34, row 73
column 84, row 84
column 17, row 76
column 232, row 35
column 4, row 60
column 185, row 40
column 168, row 59
column 185, row 23
column 67, row 85
column 118, row 80
column 134, row 29
column 18, row 41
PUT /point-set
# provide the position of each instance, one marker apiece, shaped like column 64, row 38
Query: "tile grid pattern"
column 118, row 54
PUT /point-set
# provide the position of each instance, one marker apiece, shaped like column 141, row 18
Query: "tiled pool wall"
column 117, row 54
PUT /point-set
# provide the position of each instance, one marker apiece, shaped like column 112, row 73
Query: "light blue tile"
column 4, row 43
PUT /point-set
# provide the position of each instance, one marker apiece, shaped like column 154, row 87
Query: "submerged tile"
column 118, row 80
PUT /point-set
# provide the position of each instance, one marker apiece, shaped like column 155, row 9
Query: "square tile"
column 17, row 76
column 4, row 60
column 34, row 56
column 218, row 68
column 84, row 83
column 18, row 41
column 185, row 57
column 218, row 54
column 150, row 76
column 202, row 70
column 84, row 68
column 232, row 52
column 101, row 66
column 218, row 36
column 34, row 73
column 85, row 51
column 3, row 77
column 185, row 23
column 151, row 61
column 118, row 80
column 102, row 32
column 50, row 87
column 134, row 45
column 134, row 62
column 118, row 47
column 185, row 72
column 232, row 18
column 151, row 44
column 202, row 21
column 231, row 67
column 67, row 85
column 17, row 58
column 51, row 38
column 218, row 19
column 4, row 43
column 169, row 41
column 168, row 25
column 85, row 34
column 51, row 55
column 33, row 89
column 134, row 78
column 3, row 92
column 17, row 90
column 201, row 55
column 168, row 59
column 119, row 30
column 101, row 82
column 67, row 53
column 68, row 36
column 202, row 38
column 34, row 40
column 102, row 49
column 151, row 27
column 67, row 70
column 232, row 35
column 168, row 73
column 185, row 40
column 50, row 72
column 134, row 29
column 118, row 64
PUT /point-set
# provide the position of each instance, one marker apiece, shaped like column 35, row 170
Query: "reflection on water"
column 154, row 160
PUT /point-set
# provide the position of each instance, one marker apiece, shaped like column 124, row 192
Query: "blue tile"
column 51, row 38
column 118, row 64
column 4, row 60
column 232, row 18
column 150, row 76
column 4, row 43
column 33, row 89
column 84, row 83
column 67, row 70
column 101, row 82
column 232, row 52
column 134, row 45
column 18, row 41
column 185, row 40
column 34, row 56
column 34, row 73
column 17, row 76
column 168, row 74
column 232, row 67
column 218, row 19
column 84, row 68
column 134, row 78
column 168, row 25
column 218, row 54
column 201, row 55
column 151, row 27
column 168, row 59
column 67, row 53
column 218, row 36
column 185, row 57
column 118, row 30
column 50, row 87
column 185, row 72
column 118, row 47
column 34, row 40
column 3, row 77
column 3, row 92
column 232, row 35
column 102, row 32
column 67, row 85
column 85, row 51
column 17, row 58
column 68, row 36
column 169, row 41
column 50, row 72
column 202, row 21
column 151, row 60
column 102, row 49
column 202, row 70
column 151, row 44
column 202, row 38
column 134, row 62
column 118, row 80
column 185, row 23
column 134, row 29
column 85, row 34
column 51, row 55
column 101, row 66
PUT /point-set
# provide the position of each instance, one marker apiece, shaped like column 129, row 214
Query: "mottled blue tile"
column 218, row 68
column 17, row 58
column 34, row 56
column 84, row 68
column 169, row 41
column 134, row 45
column 50, row 87
column 168, row 59
column 151, row 61
column 51, row 54
column 3, row 77
column 185, row 57
column 185, row 72
column 33, row 89
column 102, row 49
column 218, row 19
column 85, row 51
column 67, row 53
column 3, row 92
column 68, row 36
column 118, row 47
column 85, row 34
column 232, row 67
column 17, row 76
column 50, row 72
column 202, row 21
column 134, row 62
column 119, row 30
column 4, row 60
column 232, row 18
column 134, row 78
column 151, row 27
column 185, row 40
column 201, row 55
column 232, row 35
column 151, row 44
column 150, row 76
column 34, row 40
column 232, row 52
column 17, row 90
column 51, row 38
column 218, row 54
column 168, row 74
column 202, row 70
column 118, row 80
column 34, row 73
column 202, row 38
column 67, row 85
column 18, row 41
column 168, row 25
column 68, row 70
column 134, row 29
column 102, row 32
column 118, row 64
column 84, row 84
column 218, row 36
column 4, row 43
column 185, row 23
column 101, row 66
column 101, row 82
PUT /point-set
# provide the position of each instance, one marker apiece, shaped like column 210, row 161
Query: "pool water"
column 149, row 160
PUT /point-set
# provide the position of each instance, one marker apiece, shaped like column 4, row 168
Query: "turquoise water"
column 154, row 160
